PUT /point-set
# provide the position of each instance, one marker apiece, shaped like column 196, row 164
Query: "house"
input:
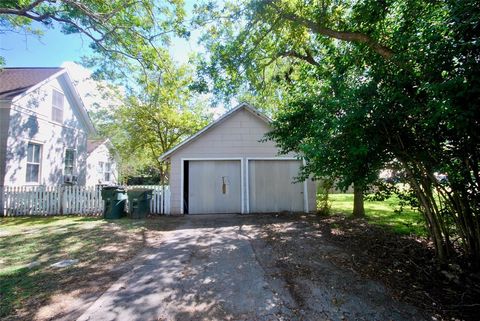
column 226, row 168
column 102, row 167
column 44, row 128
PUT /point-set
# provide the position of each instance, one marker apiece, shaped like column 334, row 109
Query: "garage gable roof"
column 225, row 116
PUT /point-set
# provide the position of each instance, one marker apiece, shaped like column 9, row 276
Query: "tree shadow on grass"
column 101, row 246
column 31, row 221
column 25, row 290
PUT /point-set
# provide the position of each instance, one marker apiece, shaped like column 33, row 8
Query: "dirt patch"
column 317, row 255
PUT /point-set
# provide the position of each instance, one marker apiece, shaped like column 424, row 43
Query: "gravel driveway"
column 219, row 268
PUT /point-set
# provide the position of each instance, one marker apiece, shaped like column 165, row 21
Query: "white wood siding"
column 272, row 188
column 238, row 136
column 4, row 125
column 31, row 121
column 207, row 192
column 100, row 154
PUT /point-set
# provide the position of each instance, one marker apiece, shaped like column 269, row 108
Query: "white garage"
column 227, row 168
column 214, row 186
column 272, row 186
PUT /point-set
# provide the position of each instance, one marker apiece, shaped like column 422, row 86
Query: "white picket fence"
column 69, row 200
column 160, row 203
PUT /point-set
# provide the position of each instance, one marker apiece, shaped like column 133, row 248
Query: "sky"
column 56, row 49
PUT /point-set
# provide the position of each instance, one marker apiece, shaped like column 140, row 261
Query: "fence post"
column 167, row 200
column 2, row 204
column 63, row 201
column 162, row 202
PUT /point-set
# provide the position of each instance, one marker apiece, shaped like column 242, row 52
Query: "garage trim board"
column 242, row 185
column 305, row 187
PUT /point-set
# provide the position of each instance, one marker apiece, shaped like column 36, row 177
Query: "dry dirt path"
column 220, row 268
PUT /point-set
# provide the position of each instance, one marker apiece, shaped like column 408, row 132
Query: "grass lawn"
column 382, row 213
column 28, row 246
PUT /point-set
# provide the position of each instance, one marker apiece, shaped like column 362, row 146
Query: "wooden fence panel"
column 68, row 200
column 158, row 199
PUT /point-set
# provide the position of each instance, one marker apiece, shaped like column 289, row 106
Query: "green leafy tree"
column 154, row 117
column 117, row 29
column 332, row 136
column 362, row 84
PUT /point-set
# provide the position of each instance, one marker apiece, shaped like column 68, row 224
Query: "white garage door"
column 271, row 187
column 214, row 186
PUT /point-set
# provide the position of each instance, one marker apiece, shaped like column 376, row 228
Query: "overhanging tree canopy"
column 115, row 28
column 400, row 76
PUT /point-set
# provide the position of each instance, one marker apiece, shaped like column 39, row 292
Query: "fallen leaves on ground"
column 405, row 264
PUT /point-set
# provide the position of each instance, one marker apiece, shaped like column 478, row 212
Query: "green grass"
column 382, row 214
column 46, row 240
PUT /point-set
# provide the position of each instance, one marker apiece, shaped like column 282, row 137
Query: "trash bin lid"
column 109, row 187
column 113, row 188
column 140, row 189
column 139, row 192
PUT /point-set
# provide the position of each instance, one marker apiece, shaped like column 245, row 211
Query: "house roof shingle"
column 15, row 81
column 92, row 144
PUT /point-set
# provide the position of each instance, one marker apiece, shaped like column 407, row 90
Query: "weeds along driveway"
column 220, row 268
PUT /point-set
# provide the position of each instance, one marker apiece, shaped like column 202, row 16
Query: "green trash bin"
column 114, row 199
column 139, row 202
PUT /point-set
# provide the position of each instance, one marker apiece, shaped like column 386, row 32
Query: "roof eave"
column 107, row 142
column 83, row 110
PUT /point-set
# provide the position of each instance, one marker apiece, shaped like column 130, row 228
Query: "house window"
column 33, row 163
column 100, row 168
column 57, row 106
column 105, row 170
column 69, row 161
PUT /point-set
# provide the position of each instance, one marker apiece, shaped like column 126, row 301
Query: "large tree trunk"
column 358, row 209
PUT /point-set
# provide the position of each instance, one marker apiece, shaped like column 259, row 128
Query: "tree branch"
column 307, row 57
column 358, row 37
column 21, row 11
